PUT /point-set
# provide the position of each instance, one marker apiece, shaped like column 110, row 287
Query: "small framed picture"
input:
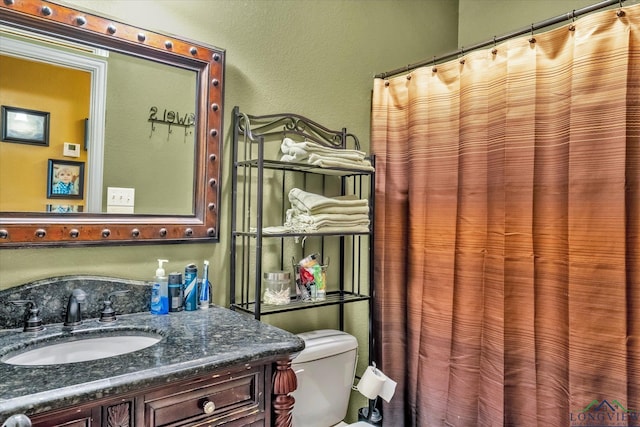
column 65, row 179
column 64, row 208
column 25, row 126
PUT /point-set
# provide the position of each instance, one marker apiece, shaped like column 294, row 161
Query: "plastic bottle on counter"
column 160, row 291
column 191, row 287
column 176, row 296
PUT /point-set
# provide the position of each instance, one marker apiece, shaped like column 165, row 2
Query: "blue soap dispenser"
column 160, row 291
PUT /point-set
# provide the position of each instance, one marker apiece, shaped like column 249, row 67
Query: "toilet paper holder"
column 373, row 384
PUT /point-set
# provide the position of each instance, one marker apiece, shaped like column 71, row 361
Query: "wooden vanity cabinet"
column 232, row 397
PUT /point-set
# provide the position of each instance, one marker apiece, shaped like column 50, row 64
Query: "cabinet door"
column 76, row 417
column 118, row 413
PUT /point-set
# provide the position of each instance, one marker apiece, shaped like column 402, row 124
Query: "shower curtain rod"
column 496, row 39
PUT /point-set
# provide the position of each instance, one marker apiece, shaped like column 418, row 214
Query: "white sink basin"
column 83, row 350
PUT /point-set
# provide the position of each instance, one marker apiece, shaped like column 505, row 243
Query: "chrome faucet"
column 74, row 315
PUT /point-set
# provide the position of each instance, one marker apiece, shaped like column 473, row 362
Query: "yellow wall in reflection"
column 65, row 94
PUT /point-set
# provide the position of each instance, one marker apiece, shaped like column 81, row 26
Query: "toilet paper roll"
column 388, row 389
column 371, row 383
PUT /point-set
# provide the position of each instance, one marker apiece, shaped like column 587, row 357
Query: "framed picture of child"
column 65, row 179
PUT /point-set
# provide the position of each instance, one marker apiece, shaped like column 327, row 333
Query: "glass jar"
column 277, row 288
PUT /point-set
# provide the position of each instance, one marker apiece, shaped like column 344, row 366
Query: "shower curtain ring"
column 409, row 68
column 620, row 13
column 532, row 39
column 572, row 26
column 495, row 49
column 434, row 69
column 462, row 60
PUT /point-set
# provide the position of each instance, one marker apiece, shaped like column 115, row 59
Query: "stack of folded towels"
column 324, row 157
column 311, row 213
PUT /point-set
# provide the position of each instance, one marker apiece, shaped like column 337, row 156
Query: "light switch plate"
column 119, row 196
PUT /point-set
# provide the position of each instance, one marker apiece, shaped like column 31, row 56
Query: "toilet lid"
column 324, row 343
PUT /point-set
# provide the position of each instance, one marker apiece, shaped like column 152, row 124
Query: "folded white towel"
column 324, row 157
column 289, row 158
column 282, row 229
column 315, row 213
column 308, row 224
column 293, row 151
column 311, row 203
column 328, row 220
column 275, row 229
column 299, row 149
column 331, row 209
column 345, row 229
column 337, row 162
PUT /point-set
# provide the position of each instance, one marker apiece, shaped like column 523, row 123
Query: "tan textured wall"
column 312, row 57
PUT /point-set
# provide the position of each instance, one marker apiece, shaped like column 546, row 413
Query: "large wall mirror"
column 110, row 134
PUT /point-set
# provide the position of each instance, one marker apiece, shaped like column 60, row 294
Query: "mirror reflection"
column 120, row 132
column 152, row 128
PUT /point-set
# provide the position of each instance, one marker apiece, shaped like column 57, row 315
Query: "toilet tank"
column 325, row 371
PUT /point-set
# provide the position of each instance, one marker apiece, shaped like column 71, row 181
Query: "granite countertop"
column 193, row 343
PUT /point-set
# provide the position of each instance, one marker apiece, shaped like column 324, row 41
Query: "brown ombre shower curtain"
column 507, row 232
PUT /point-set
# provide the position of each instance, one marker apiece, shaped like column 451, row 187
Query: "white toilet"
column 325, row 371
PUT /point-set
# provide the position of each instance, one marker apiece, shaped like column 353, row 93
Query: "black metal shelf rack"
column 259, row 196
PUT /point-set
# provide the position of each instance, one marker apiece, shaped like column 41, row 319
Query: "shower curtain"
column 507, row 232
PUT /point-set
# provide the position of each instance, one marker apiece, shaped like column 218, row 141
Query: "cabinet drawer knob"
column 208, row 407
